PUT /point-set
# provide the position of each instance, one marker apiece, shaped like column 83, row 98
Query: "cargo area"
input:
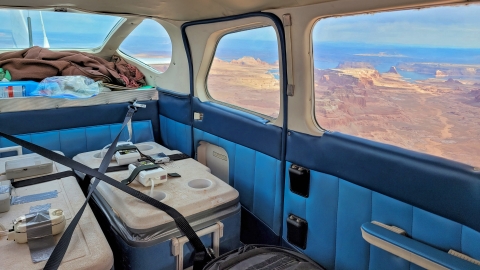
column 169, row 138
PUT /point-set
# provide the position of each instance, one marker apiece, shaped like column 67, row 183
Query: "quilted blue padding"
column 255, row 175
column 352, row 252
column 77, row 140
column 336, row 209
column 175, row 135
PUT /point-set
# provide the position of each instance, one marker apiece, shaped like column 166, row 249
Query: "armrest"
column 412, row 250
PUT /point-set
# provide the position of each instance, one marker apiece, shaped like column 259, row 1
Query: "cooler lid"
column 196, row 191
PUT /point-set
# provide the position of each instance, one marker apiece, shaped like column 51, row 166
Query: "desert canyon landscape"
column 247, row 83
column 438, row 116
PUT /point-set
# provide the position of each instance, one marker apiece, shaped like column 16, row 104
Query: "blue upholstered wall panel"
column 443, row 187
column 336, row 209
column 28, row 122
column 320, row 209
column 83, row 139
column 255, row 175
column 240, row 127
column 175, row 121
column 175, row 106
column 175, row 135
column 352, row 252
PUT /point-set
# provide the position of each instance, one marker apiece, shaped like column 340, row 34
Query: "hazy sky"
column 449, row 27
column 65, row 29
column 62, row 22
column 263, row 33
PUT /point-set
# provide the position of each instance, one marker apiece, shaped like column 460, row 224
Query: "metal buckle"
column 135, row 105
column 210, row 253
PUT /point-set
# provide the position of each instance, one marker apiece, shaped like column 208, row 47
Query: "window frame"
column 373, row 12
column 317, row 124
column 138, row 61
column 242, row 29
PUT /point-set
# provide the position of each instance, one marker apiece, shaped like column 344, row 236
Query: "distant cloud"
column 63, row 22
column 262, row 33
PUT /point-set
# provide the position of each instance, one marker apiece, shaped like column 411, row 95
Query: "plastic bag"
column 70, row 87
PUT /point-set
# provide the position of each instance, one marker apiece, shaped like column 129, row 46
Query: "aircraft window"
column 245, row 71
column 54, row 30
column 149, row 43
column 408, row 78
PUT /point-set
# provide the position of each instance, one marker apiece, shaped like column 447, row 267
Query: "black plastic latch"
column 297, row 229
column 299, row 180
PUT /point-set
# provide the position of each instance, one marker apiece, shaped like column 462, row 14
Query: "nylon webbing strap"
column 133, row 147
column 202, row 256
column 42, row 179
column 137, row 171
column 173, row 157
column 61, row 248
column 126, row 147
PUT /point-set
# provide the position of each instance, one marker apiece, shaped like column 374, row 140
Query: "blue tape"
column 4, row 189
column 40, row 207
column 34, row 197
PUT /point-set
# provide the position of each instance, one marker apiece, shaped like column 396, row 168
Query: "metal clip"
column 210, row 252
column 135, row 105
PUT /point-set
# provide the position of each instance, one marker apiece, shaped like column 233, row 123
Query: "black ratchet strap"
column 201, row 254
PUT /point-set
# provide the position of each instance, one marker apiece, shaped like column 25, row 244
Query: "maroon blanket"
column 38, row 63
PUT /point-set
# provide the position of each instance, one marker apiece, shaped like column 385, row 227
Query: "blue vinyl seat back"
column 336, row 208
column 175, row 135
column 175, row 121
column 255, row 175
column 83, row 139
column 254, row 156
column 254, row 170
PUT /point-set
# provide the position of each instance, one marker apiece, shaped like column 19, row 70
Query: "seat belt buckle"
column 135, row 105
column 210, row 253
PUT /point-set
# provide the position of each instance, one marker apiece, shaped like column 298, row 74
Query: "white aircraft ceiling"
column 182, row 10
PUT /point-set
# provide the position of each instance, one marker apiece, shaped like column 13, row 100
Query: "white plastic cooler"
column 88, row 248
column 143, row 234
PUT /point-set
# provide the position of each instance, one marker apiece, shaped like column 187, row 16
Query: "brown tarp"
column 37, row 63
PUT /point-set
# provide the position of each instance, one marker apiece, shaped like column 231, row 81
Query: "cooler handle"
column 17, row 148
column 177, row 243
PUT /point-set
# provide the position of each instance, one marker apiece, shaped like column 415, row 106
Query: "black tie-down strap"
column 201, row 255
column 133, row 147
column 58, row 175
column 137, row 170
column 42, row 179
column 173, row 157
